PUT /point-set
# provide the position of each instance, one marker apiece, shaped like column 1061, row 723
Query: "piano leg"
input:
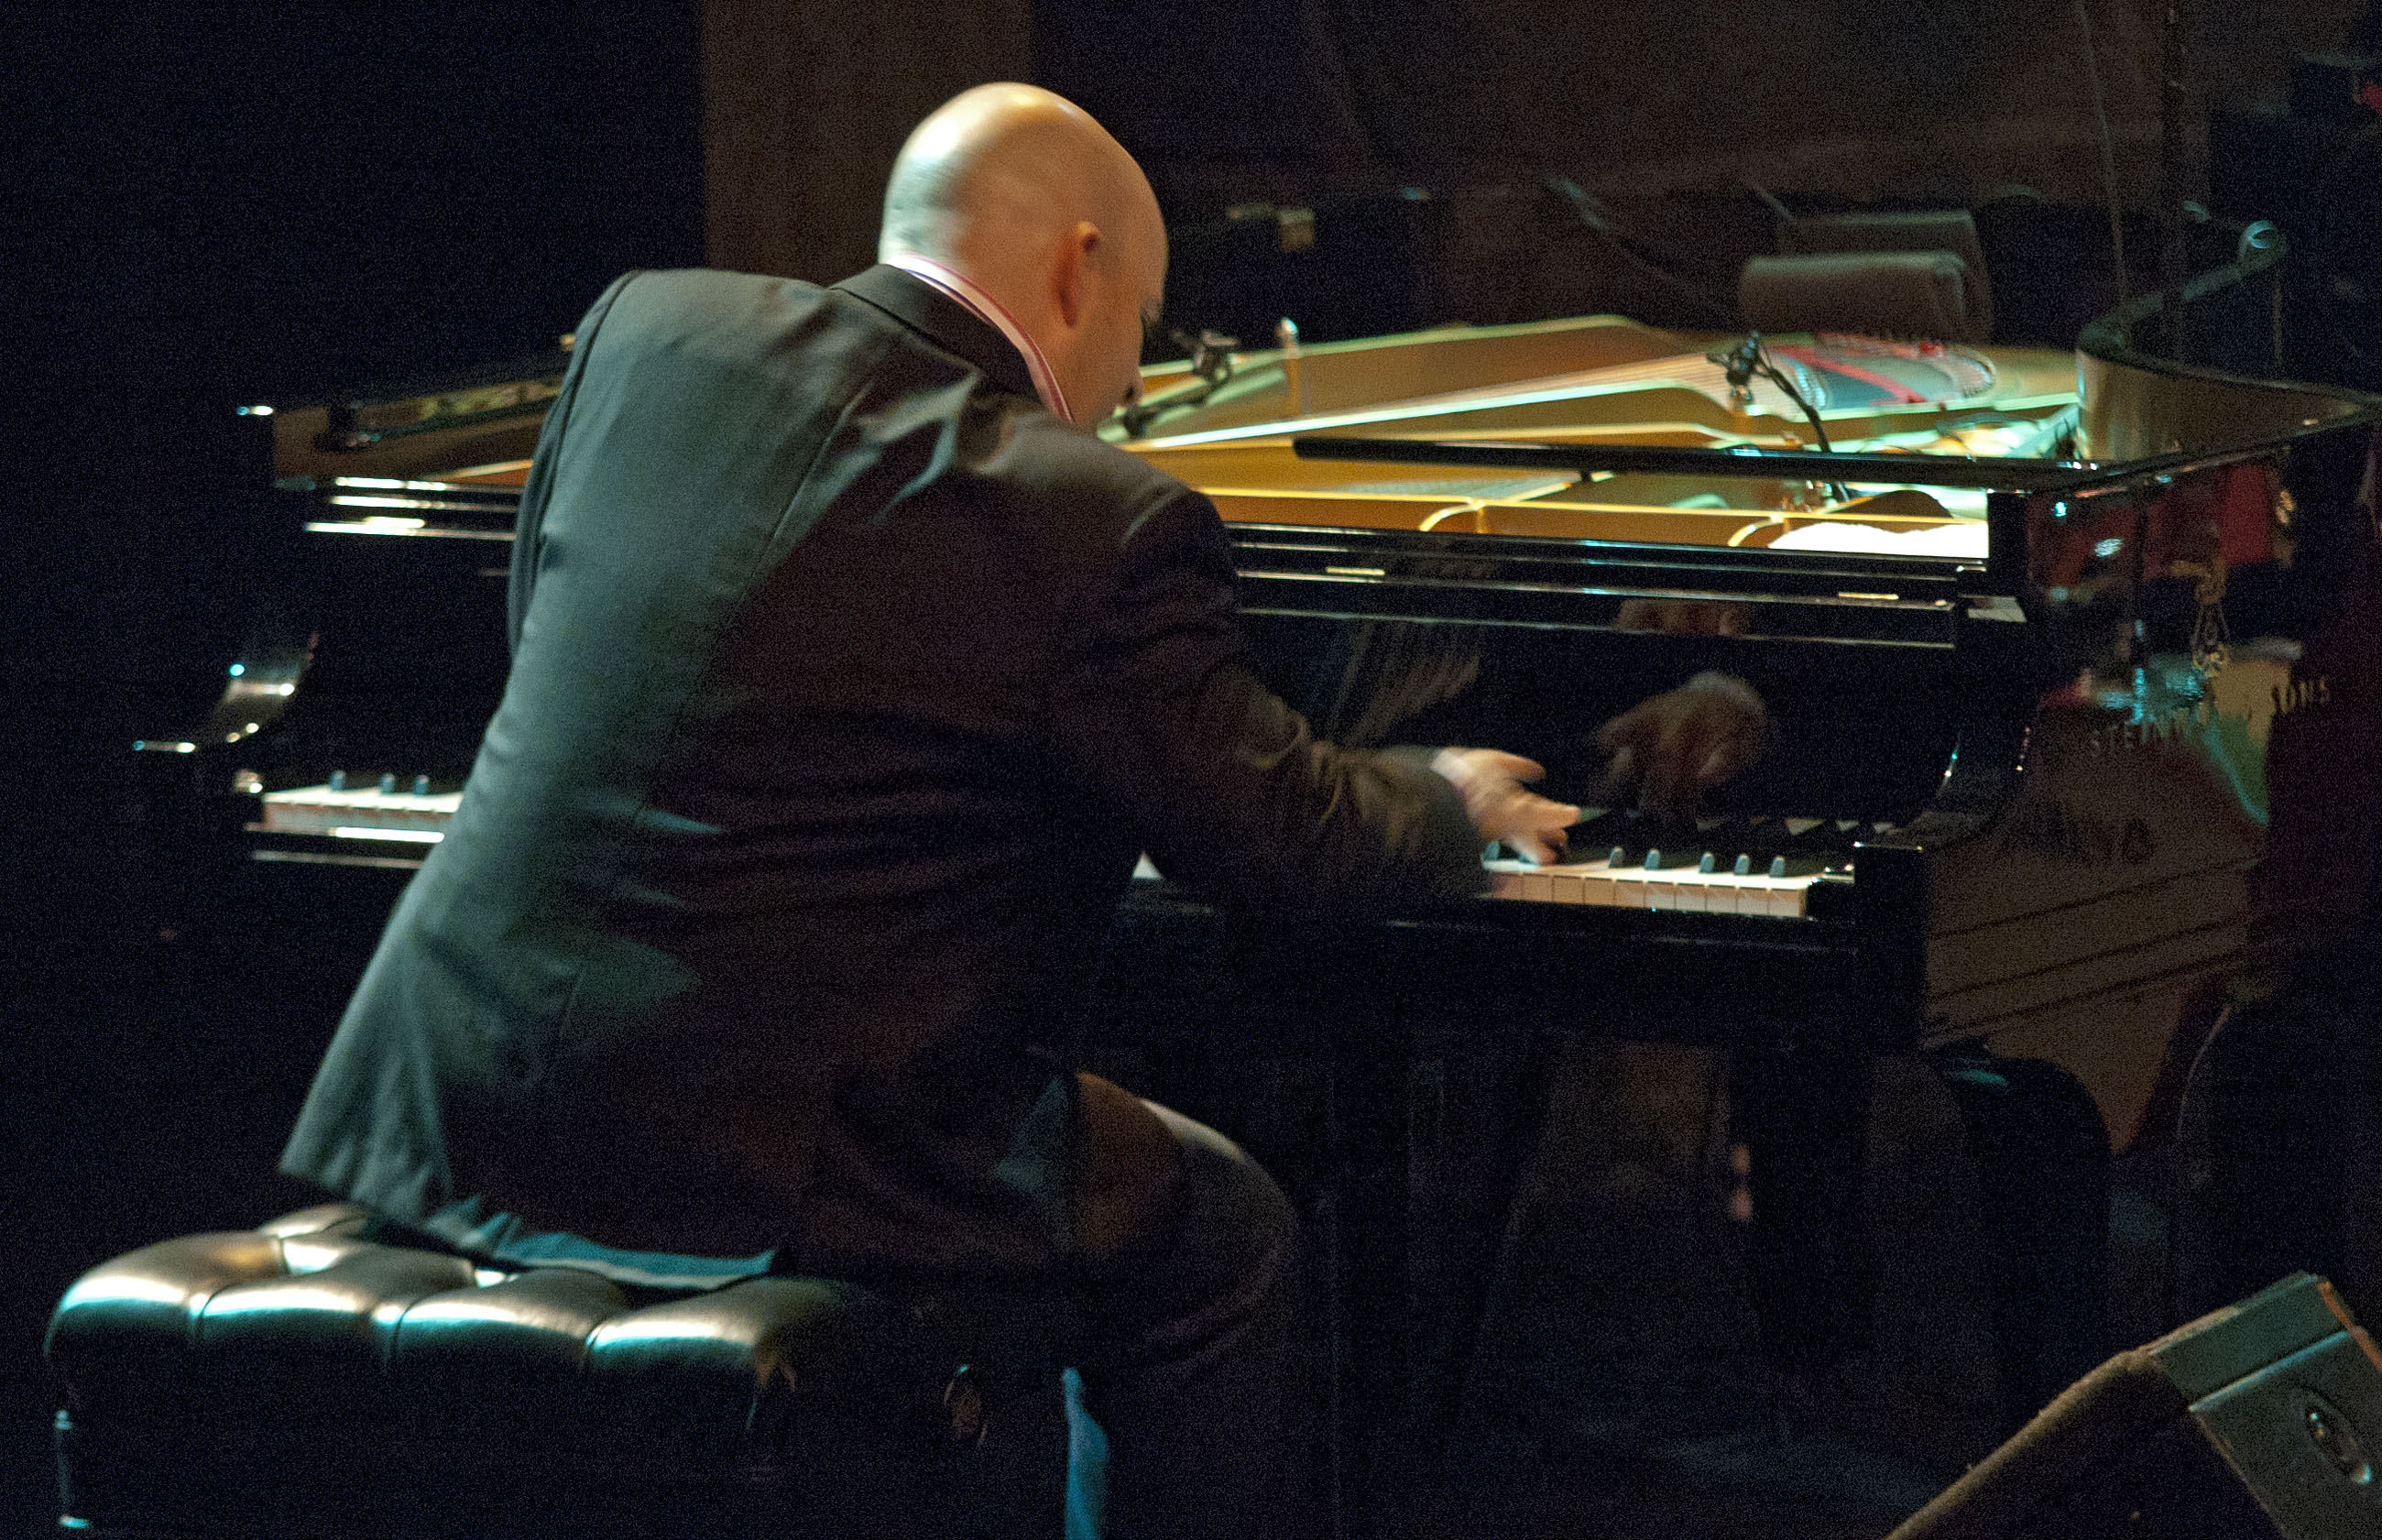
column 1475, row 1126
column 1802, row 1108
column 2042, row 1158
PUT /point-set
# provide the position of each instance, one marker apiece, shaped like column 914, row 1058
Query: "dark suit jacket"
column 847, row 681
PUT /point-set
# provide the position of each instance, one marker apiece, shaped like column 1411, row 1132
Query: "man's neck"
column 966, row 292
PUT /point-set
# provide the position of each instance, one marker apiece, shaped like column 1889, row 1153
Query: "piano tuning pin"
column 1710, row 863
column 1744, row 867
column 1778, row 868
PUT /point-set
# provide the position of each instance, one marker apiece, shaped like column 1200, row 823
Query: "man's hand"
column 1491, row 782
column 1670, row 750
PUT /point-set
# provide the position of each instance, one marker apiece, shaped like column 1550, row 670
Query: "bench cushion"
column 299, row 1378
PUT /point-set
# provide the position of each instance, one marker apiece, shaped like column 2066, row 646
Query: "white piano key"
column 1505, row 876
column 1631, row 886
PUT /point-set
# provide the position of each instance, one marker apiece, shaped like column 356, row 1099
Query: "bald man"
column 850, row 674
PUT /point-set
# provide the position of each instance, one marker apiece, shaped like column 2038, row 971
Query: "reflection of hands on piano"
column 1683, row 617
column 1668, row 751
column 1490, row 782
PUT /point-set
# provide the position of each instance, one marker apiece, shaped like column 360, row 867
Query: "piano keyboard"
column 371, row 813
column 1762, row 880
column 1734, row 865
column 1624, row 876
column 1777, row 890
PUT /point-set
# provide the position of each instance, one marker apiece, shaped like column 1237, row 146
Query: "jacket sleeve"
column 529, row 522
column 1158, row 710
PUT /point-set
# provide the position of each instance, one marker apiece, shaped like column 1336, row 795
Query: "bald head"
column 1019, row 190
column 1004, row 162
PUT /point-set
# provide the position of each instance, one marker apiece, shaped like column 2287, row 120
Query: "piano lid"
column 2167, row 375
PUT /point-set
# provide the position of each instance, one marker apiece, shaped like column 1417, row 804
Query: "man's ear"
column 1074, row 272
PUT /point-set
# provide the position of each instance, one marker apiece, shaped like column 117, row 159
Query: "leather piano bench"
column 300, row 1380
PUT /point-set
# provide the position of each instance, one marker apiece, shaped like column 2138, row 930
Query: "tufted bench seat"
column 300, row 1379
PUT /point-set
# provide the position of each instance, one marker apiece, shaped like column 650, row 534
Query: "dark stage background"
column 216, row 206
column 273, row 204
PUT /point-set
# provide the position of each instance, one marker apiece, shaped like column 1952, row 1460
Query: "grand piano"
column 2024, row 621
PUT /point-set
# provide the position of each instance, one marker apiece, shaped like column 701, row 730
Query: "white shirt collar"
column 963, row 289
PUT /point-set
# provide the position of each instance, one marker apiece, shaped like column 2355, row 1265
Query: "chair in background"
column 1896, row 275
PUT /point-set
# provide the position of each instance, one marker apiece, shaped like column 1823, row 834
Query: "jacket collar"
column 944, row 322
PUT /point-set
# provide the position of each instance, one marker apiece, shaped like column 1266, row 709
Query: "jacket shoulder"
column 664, row 290
column 1064, row 463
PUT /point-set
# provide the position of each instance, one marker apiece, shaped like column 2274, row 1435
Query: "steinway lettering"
column 2061, row 833
column 2301, row 694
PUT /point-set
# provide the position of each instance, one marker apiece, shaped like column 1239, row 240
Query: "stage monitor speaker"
column 2261, row 1421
